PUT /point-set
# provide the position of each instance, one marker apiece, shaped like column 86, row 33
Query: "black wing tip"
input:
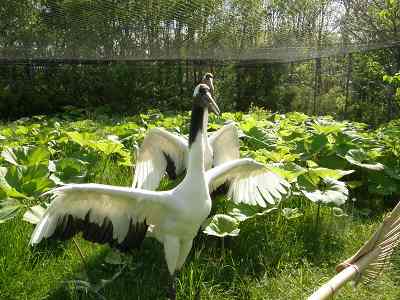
column 69, row 225
column 135, row 236
column 171, row 168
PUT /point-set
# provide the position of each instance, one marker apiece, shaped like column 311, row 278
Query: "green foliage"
column 221, row 225
column 326, row 161
column 8, row 209
column 68, row 170
column 329, row 191
column 394, row 81
column 359, row 157
column 243, row 212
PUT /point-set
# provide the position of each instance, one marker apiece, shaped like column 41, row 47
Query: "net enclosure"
column 257, row 48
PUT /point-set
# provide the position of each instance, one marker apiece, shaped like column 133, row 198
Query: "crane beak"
column 210, row 84
column 212, row 105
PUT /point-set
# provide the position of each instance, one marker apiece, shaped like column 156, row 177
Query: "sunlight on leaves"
column 338, row 212
column 243, row 212
column 291, row 213
column 221, row 225
column 361, row 158
column 331, row 191
column 289, row 171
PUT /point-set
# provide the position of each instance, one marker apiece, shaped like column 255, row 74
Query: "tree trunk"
column 348, row 82
column 238, row 89
column 317, row 84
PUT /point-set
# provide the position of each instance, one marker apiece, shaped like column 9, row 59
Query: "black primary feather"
column 171, row 168
column 68, row 226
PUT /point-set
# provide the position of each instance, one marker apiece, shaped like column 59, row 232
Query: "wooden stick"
column 329, row 289
column 378, row 248
column 80, row 253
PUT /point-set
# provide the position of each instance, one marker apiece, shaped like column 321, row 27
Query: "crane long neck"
column 197, row 138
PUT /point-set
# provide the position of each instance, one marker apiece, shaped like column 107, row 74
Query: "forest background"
column 338, row 57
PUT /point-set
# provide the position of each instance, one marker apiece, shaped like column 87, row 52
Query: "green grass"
column 273, row 258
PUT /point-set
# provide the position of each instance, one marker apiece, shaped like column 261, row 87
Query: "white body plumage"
column 119, row 215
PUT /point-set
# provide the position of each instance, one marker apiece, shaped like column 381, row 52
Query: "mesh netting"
column 220, row 30
column 315, row 56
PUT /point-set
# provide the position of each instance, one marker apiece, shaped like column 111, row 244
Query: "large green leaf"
column 248, row 124
column 258, row 138
column 221, row 225
column 82, row 139
column 297, row 116
column 5, row 188
column 69, row 169
column 290, row 171
column 39, row 155
column 280, row 154
column 333, row 161
column 331, row 173
column 329, row 191
column 7, row 132
column 291, row 213
column 3, row 172
column 381, row 184
column 243, row 212
column 323, row 127
column 393, row 171
column 108, row 147
column 26, row 156
column 317, row 143
column 123, row 130
column 361, row 158
column 338, row 212
column 9, row 156
column 29, row 180
column 21, row 130
column 9, row 209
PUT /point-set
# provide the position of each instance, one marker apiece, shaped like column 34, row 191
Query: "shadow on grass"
column 145, row 276
column 267, row 245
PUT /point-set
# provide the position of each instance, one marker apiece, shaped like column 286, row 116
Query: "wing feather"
column 160, row 150
column 250, row 182
column 105, row 214
column 225, row 144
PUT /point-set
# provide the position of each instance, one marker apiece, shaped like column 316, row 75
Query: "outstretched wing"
column 109, row 214
column 250, row 182
column 225, row 144
column 160, row 152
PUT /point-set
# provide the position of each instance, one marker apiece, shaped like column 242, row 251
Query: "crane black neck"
column 196, row 122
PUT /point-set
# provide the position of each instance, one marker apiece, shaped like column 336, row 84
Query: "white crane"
column 120, row 216
column 164, row 152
